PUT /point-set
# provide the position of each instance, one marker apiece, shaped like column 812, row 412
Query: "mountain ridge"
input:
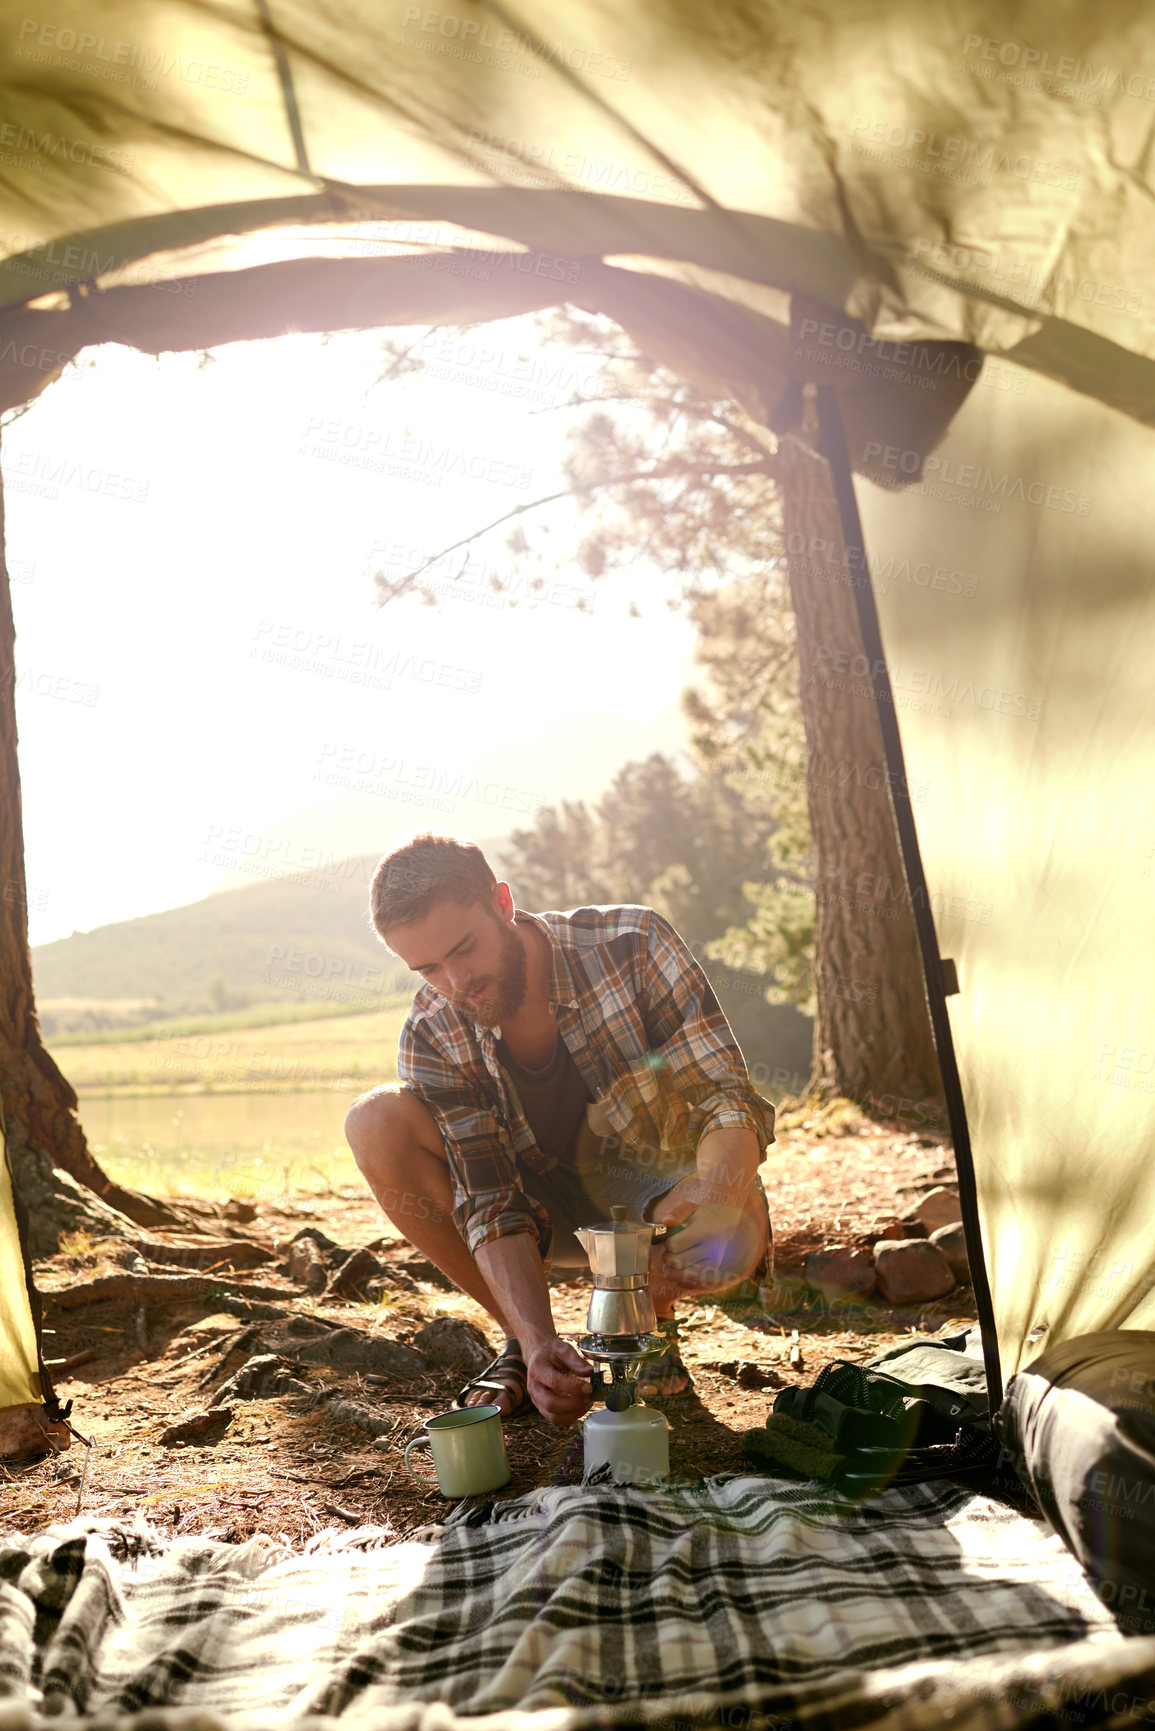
column 305, row 935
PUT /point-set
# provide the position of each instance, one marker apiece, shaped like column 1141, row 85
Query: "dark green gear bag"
column 917, row 1412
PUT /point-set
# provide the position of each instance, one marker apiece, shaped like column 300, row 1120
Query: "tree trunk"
column 42, row 1128
column 872, row 1033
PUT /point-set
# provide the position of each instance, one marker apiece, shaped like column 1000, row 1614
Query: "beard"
column 505, row 991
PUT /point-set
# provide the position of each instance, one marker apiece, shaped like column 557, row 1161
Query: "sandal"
column 654, row 1378
column 506, row 1375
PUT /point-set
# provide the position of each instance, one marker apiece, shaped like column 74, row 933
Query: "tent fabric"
column 1013, row 583
column 744, row 1596
column 924, row 169
column 862, row 195
column 20, row 1383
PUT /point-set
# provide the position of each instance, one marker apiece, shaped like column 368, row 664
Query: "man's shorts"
column 584, row 1193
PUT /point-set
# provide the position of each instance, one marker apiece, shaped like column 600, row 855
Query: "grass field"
column 225, row 1055
column 162, row 1026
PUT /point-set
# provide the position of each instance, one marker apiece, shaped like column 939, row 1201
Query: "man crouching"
column 552, row 1066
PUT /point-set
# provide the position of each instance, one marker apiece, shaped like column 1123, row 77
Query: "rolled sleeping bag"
column 1079, row 1427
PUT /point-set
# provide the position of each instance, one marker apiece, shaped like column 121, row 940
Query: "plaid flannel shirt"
column 648, row 1037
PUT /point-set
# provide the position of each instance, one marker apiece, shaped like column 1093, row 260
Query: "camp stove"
column 629, row 1437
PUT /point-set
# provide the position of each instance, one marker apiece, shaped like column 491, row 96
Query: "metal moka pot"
column 629, row 1438
column 619, row 1253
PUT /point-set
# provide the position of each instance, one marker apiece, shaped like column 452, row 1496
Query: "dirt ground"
column 288, row 1467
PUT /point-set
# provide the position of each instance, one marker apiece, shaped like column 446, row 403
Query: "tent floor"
column 287, row 1471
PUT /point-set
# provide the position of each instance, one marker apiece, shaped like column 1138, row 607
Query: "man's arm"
column 559, row 1378
column 728, row 1159
column 494, row 1216
column 709, row 1206
column 731, row 1121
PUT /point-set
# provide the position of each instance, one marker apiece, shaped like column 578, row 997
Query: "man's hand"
column 557, row 1376
column 718, row 1241
column 559, row 1380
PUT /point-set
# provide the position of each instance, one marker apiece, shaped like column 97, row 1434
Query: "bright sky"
column 206, row 689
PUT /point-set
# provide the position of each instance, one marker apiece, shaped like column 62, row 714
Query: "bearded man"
column 553, row 1066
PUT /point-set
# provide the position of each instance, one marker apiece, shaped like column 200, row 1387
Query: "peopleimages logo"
column 834, row 667
column 34, row 899
column 475, row 33
column 399, row 778
column 67, row 262
column 48, row 44
column 824, row 558
column 53, row 145
column 922, row 357
column 377, row 448
column 941, row 475
column 954, row 155
column 1065, row 69
column 947, row 261
column 62, row 687
column 33, row 471
column 306, row 651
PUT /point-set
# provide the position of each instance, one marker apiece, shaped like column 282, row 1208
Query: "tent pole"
column 834, row 450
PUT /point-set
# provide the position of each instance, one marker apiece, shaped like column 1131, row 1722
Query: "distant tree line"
column 686, row 845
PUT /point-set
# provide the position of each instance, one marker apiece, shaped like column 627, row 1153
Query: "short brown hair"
column 429, row 869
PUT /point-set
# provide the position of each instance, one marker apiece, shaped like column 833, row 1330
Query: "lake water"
column 221, row 1145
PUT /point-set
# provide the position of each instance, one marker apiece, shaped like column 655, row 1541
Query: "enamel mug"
column 468, row 1451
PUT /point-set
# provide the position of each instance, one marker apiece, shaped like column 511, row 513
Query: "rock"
column 420, row 1268
column 390, row 1284
column 907, row 1227
column 842, row 1272
column 204, row 1430
column 352, row 1279
column 745, row 1372
column 451, row 1343
column 912, row 1271
column 938, row 1208
column 377, row 1423
column 263, row 1378
column 759, row 1376
column 306, row 1265
column 314, row 1235
column 292, row 1331
column 27, row 1433
column 952, row 1243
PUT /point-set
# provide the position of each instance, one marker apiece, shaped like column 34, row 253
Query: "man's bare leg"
column 399, row 1149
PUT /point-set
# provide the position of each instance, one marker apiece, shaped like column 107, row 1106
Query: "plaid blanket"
column 743, row 1602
